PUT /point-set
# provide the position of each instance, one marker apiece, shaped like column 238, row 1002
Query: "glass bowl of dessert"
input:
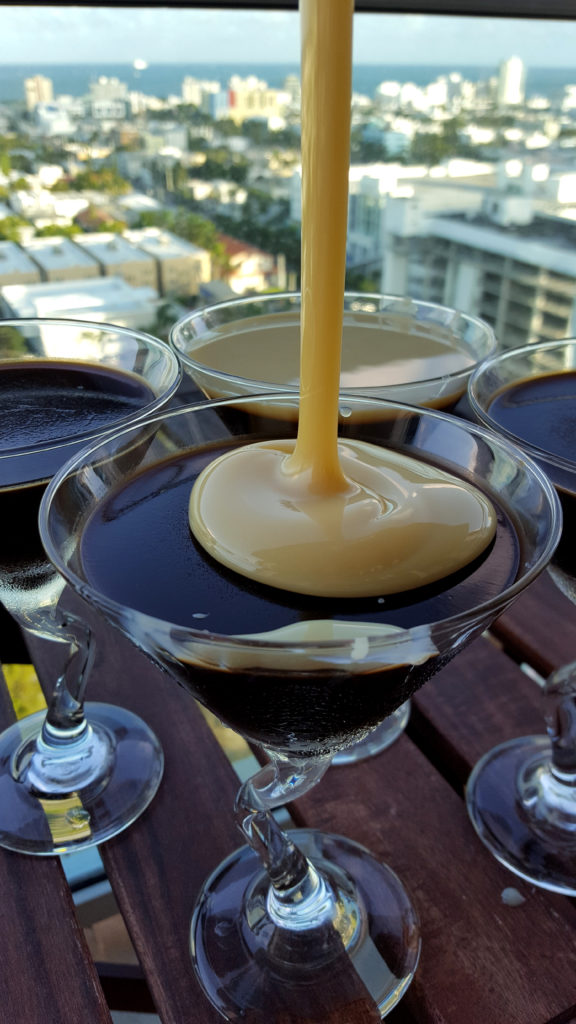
column 395, row 348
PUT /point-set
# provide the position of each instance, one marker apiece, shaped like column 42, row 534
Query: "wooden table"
column 483, row 962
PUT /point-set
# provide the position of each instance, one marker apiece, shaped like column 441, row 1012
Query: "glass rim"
column 497, row 359
column 376, row 641
column 367, row 390
column 55, row 444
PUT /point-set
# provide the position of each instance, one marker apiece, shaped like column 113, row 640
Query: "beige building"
column 181, row 266
column 15, row 266
column 38, row 89
column 116, row 256
column 59, row 259
column 250, row 97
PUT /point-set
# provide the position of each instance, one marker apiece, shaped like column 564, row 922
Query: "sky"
column 52, row 34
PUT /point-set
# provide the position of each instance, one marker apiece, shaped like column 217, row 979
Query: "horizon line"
column 264, row 63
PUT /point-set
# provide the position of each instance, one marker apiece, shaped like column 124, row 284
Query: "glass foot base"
column 536, row 851
column 37, row 823
column 248, row 965
column 380, row 739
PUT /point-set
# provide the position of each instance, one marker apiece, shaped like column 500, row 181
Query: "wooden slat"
column 46, row 972
column 481, row 961
column 540, row 627
column 480, row 699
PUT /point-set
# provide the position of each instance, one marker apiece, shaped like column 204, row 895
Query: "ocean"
column 163, row 80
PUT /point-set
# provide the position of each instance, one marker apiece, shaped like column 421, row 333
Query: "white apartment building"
column 130, row 207
column 118, row 257
column 181, row 266
column 48, row 174
column 450, row 93
column 228, row 195
column 103, row 299
column 38, row 89
column 105, row 88
column 458, row 186
column 59, row 259
column 45, row 207
column 200, row 93
column 109, row 99
column 516, row 271
column 53, row 120
column 15, row 266
column 511, row 83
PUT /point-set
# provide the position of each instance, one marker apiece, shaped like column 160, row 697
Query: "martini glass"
column 252, row 345
column 70, row 777
column 522, row 794
column 288, row 906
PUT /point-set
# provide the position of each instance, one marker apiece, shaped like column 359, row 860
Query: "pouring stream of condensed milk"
column 317, row 516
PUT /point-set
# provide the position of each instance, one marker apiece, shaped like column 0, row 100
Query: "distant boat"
column 139, row 64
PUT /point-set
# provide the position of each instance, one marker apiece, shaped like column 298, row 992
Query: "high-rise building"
column 108, row 98
column 38, row 89
column 514, row 270
column 250, row 98
column 511, row 83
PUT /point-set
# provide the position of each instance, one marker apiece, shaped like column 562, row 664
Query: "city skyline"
column 53, row 34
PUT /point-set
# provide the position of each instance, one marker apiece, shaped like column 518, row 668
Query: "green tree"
column 11, row 228
column 203, row 233
column 11, row 341
column 21, row 162
column 220, row 163
column 429, row 149
column 356, row 281
column 106, row 179
column 50, row 230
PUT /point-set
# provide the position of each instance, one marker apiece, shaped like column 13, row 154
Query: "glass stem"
column 66, row 755
column 547, row 783
column 65, row 722
column 560, row 714
column 299, row 897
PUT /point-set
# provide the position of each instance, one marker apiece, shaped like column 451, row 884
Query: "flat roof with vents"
column 13, row 260
column 108, row 247
column 54, row 252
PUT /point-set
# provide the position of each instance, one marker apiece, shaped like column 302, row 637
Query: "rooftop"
column 162, row 244
column 540, row 244
column 86, row 299
column 554, row 231
column 138, row 201
column 56, row 251
column 13, row 259
column 109, row 247
column 235, row 247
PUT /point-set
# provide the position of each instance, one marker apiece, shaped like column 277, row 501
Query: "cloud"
column 52, row 34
